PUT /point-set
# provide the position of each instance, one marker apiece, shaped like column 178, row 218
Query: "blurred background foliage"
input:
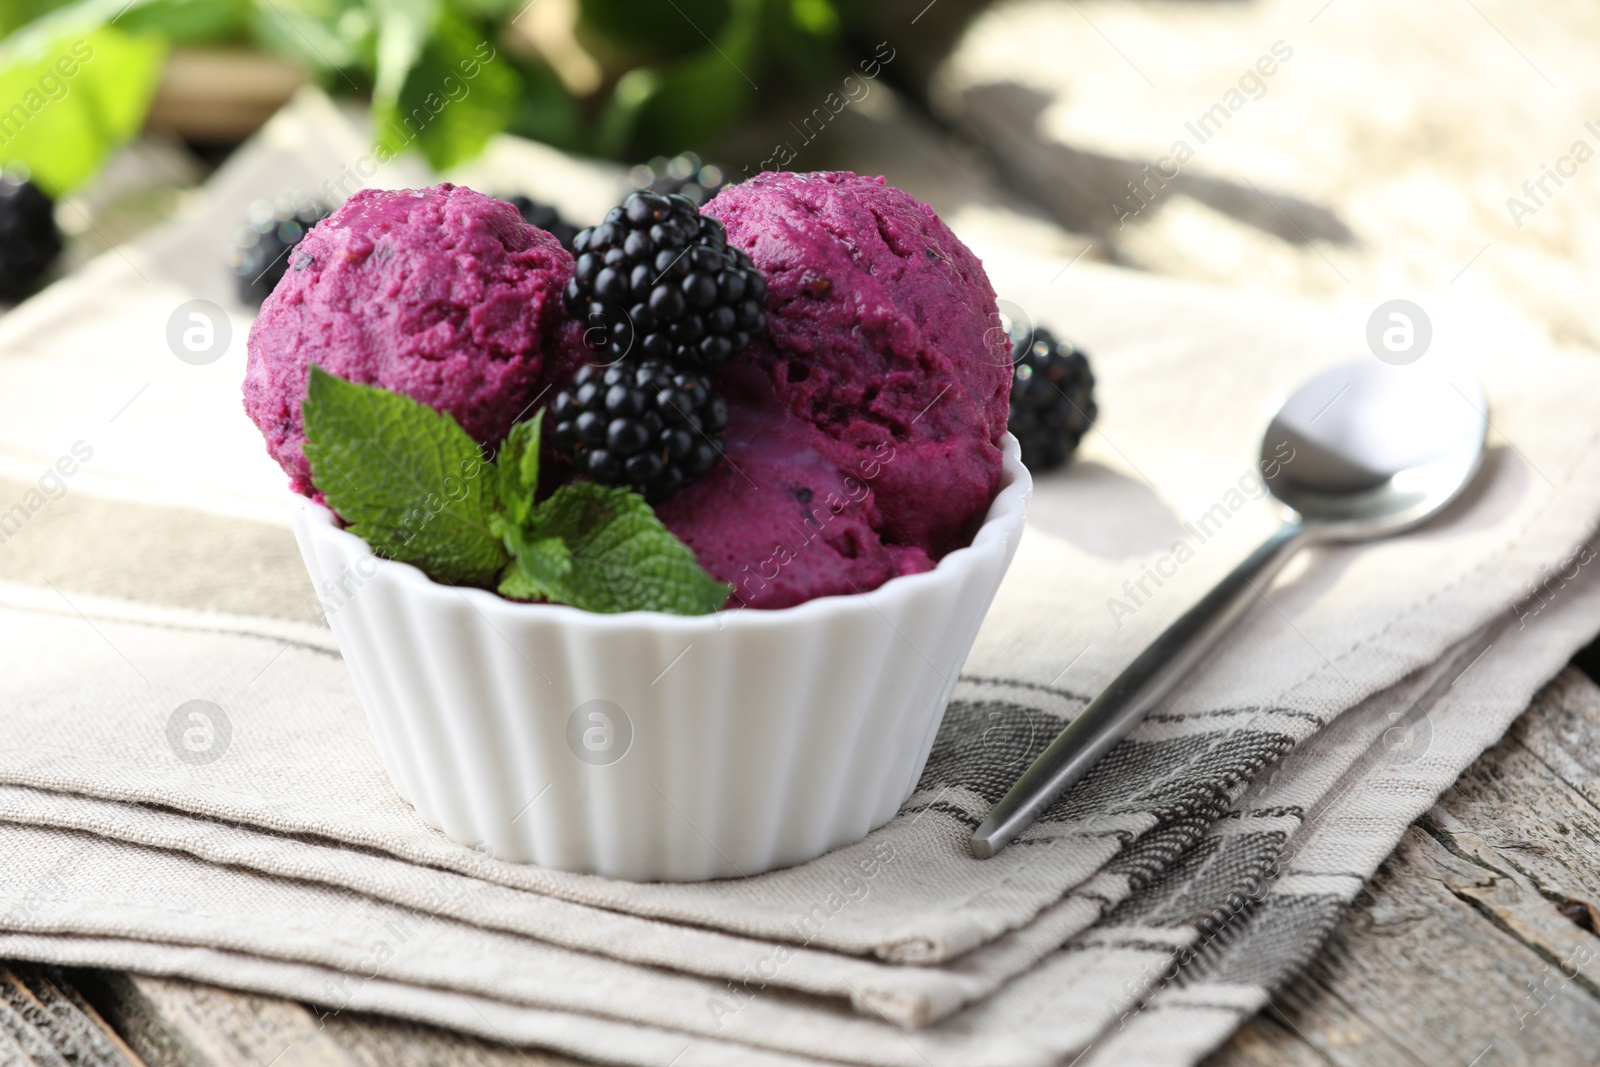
column 622, row 79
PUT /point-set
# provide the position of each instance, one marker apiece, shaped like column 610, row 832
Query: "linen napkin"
column 1093, row 984
column 162, row 574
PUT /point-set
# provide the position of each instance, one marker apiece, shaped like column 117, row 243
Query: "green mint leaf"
column 622, row 557
column 407, row 479
column 538, row 570
column 518, row 465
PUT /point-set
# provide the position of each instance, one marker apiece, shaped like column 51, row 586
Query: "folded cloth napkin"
column 1195, row 869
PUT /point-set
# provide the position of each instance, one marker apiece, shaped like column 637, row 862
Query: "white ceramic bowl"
column 649, row 746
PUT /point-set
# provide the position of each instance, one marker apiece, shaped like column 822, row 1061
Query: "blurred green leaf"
column 189, row 21
column 59, row 20
column 621, row 116
column 685, row 105
column 679, row 73
column 458, row 94
column 816, row 17
column 802, row 39
column 658, row 27
column 403, row 29
column 546, row 111
column 66, row 104
column 305, row 31
column 694, row 101
column 491, row 9
column 17, row 13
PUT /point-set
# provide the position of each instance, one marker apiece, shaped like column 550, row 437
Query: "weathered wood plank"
column 44, row 1021
column 18, row 1019
column 377, row 1042
column 10, row 1050
column 1417, row 975
column 1564, row 735
column 100, row 1041
column 175, row 1023
column 1477, row 938
column 1267, row 1041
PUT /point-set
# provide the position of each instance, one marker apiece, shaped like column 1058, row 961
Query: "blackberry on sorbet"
column 29, row 240
column 657, row 280
column 1052, row 398
column 545, row 217
column 642, row 425
column 259, row 256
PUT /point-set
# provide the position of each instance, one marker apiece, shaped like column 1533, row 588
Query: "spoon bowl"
column 1361, row 451
column 1376, row 449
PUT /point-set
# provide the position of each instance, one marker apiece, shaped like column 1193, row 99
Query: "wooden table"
column 1475, row 946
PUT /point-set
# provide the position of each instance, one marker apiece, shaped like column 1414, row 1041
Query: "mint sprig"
column 408, row 479
column 603, row 549
column 415, row 485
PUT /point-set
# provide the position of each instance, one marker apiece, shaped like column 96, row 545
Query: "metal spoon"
column 1361, row 451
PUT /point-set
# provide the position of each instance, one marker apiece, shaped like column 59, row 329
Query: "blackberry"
column 660, row 279
column 683, row 173
column 29, row 240
column 259, row 255
column 1052, row 398
column 644, row 425
column 546, row 218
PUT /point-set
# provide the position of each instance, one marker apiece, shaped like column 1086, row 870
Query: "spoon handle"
column 1113, row 714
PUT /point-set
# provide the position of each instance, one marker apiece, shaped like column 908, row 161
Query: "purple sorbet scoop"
column 442, row 294
column 864, row 439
